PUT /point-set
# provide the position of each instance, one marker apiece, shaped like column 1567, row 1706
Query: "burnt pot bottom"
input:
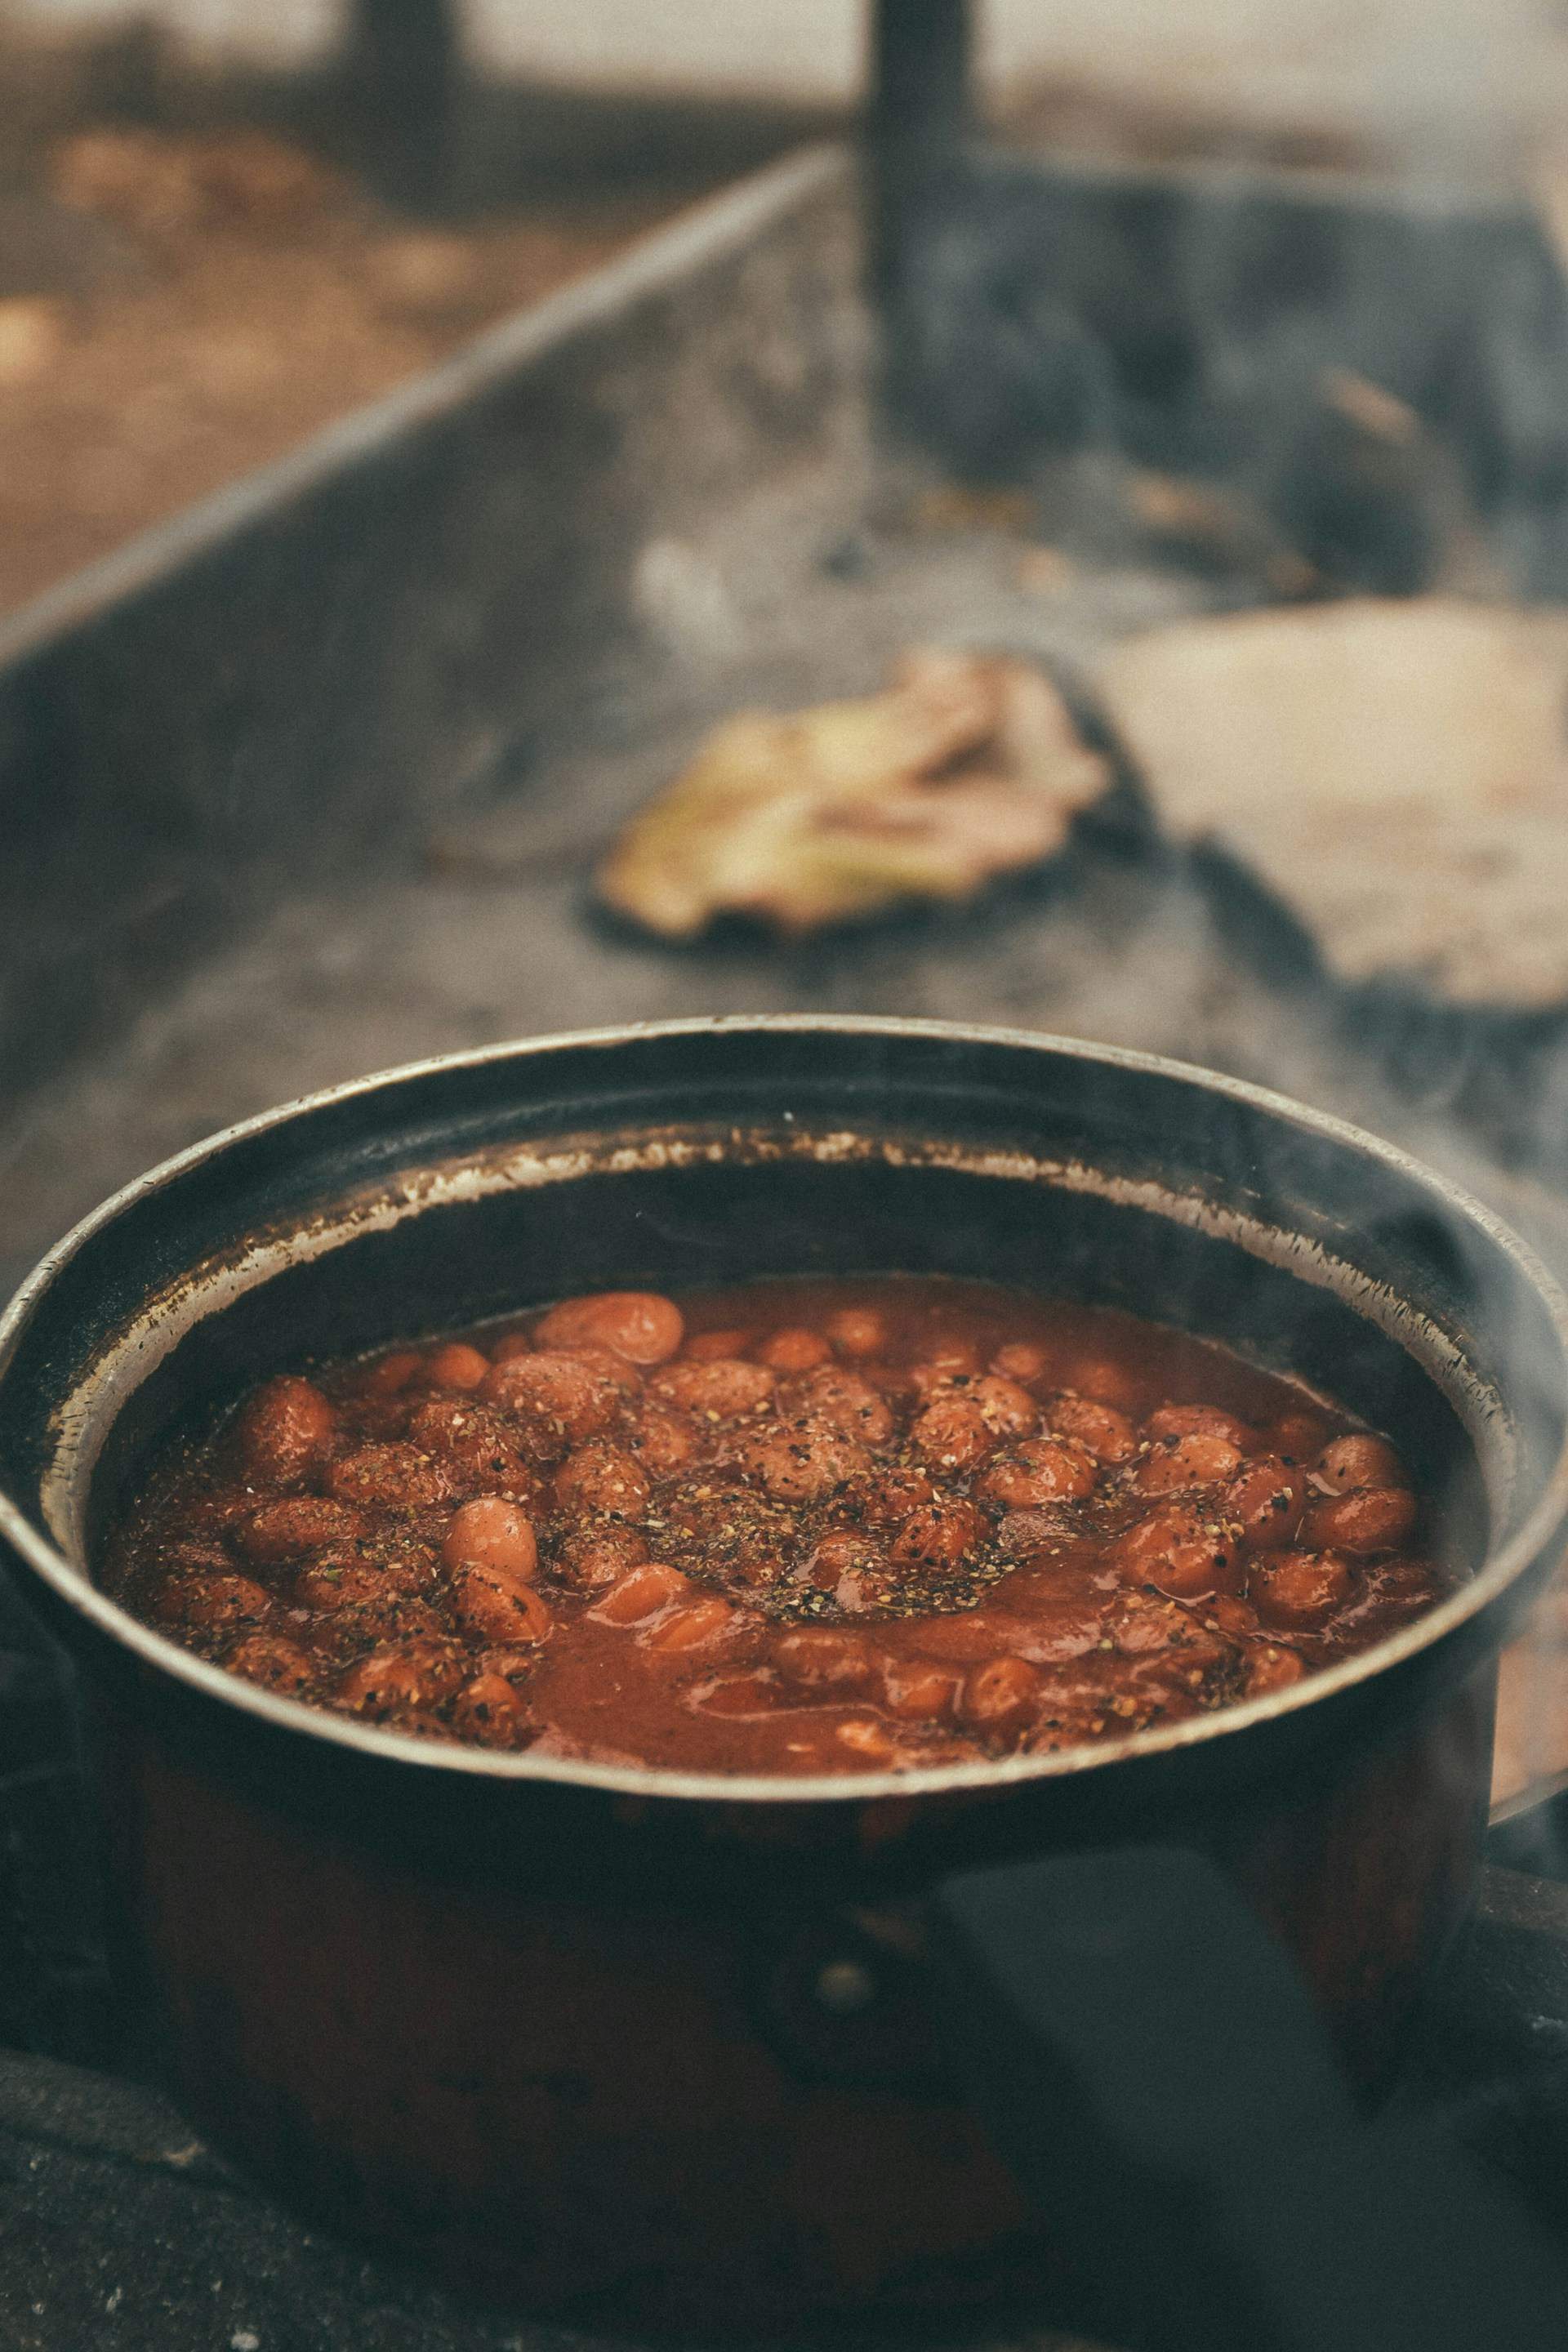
column 664, row 2109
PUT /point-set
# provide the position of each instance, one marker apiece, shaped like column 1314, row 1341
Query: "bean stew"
column 793, row 1527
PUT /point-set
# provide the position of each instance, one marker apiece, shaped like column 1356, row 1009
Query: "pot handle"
column 1146, row 2057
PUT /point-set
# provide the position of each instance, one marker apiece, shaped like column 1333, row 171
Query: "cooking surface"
column 482, row 930
column 123, row 2234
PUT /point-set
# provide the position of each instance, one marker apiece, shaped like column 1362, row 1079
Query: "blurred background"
column 173, row 316
column 425, row 425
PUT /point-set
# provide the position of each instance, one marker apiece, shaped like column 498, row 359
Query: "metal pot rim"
column 72, row 1585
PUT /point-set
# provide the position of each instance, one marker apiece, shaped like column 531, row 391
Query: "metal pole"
column 406, row 62
column 918, row 110
column 922, row 58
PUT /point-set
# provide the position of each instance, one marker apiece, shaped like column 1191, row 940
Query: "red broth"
column 792, row 1527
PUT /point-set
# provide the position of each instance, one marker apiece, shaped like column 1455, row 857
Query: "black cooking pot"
column 570, row 2029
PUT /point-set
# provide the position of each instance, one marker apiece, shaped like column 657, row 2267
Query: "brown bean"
column 1298, row 1437
column 1202, row 1420
column 475, row 1443
column 939, row 1535
column 895, row 1493
column 854, row 1570
column 865, row 1591
column 622, row 1374
column 387, row 1375
column 1405, row 1580
column 640, row 1325
column 1267, row 1501
column 794, row 1349
column 952, row 1434
column 274, row 1661
column 1174, row 1464
column 558, row 1399
column 1021, row 1359
column 919, row 1692
column 457, row 1365
column 390, row 1477
column 1232, row 1615
column 512, row 1666
column 1368, row 1519
column 641, row 1594
column 1358, row 1460
column 1300, row 1588
column 801, row 1465
column 414, row 1675
column 285, row 1432
column 499, row 1605
column 969, row 1636
column 204, row 1603
column 487, row 1709
column 723, row 1390
column 942, row 1367
column 842, row 1400
column 343, row 1575
column 1008, row 1409
column 705, row 1622
column 817, row 1658
column 601, row 1477
column 510, row 1345
column 841, row 1552
column 714, row 1347
column 388, row 1620
column 662, row 1441
column 1040, row 1470
column 1177, row 1550
column 491, row 1533
column 1000, row 1691
column 1270, row 1668
column 1109, row 1434
column 1104, row 1379
column 289, row 1529
column 1142, row 1626
column 858, row 1331
column 592, row 1557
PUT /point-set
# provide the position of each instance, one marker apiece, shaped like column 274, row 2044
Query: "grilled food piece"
column 965, row 767
column 1396, row 772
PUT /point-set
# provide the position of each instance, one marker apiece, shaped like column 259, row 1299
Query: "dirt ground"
column 176, row 309
column 195, row 275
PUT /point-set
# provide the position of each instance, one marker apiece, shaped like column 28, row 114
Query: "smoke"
column 1372, row 384
column 1376, row 372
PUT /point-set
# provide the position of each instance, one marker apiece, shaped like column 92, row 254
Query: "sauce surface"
column 793, row 1527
